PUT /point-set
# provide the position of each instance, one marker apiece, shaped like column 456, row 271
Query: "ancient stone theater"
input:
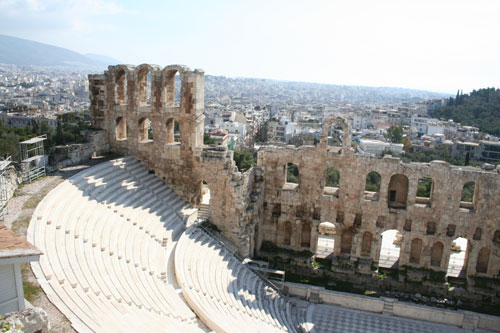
column 123, row 248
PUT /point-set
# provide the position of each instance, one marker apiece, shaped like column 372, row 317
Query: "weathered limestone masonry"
column 429, row 225
column 260, row 205
column 144, row 124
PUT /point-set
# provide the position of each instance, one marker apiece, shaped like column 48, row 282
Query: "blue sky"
column 435, row 45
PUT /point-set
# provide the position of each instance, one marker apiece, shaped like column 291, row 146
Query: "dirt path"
column 20, row 209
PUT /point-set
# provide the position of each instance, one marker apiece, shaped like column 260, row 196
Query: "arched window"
column 326, row 240
column 144, row 83
column 469, row 194
column 398, row 191
column 425, row 188
column 177, row 131
column 477, row 234
column 145, row 130
column 415, row 251
column 120, row 129
column 287, row 234
column 372, row 186
column 366, row 246
column 292, row 173
column 482, row 260
column 346, row 241
column 332, row 181
column 121, row 88
column 390, row 249
column 172, row 88
column 436, row 254
column 458, row 256
column 306, row 235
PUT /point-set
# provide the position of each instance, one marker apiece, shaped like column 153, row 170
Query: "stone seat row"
column 105, row 271
column 225, row 293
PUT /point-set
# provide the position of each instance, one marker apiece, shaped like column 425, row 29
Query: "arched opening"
column 425, row 188
column 292, row 173
column 436, row 254
column 415, row 250
column 335, row 135
column 332, row 181
column 398, row 191
column 305, row 237
column 144, row 83
column 204, row 209
column 120, row 129
column 169, row 135
column 483, row 259
column 390, row 249
column 177, row 131
column 372, row 186
column 172, row 88
column 121, row 88
column 458, row 257
column 469, row 194
column 145, row 130
column 366, row 245
column 346, row 241
column 477, row 234
column 326, row 242
column 496, row 237
column 287, row 234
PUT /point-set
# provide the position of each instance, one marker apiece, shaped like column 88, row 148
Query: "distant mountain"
column 18, row 51
column 103, row 59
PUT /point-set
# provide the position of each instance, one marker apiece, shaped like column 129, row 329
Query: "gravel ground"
column 20, row 209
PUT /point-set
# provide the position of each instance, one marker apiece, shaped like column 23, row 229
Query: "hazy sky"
column 435, row 45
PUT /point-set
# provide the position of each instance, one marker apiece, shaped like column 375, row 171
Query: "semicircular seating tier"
column 108, row 235
column 225, row 293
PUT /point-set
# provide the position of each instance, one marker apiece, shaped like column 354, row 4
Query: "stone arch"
column 120, row 129
column 205, row 199
column 144, row 85
column 332, row 181
column 390, row 248
column 144, row 130
column 483, row 259
column 425, row 189
column 436, row 254
column 477, row 234
column 457, row 263
column 346, row 129
column 287, row 233
column 170, row 94
column 366, row 245
column 496, row 237
column 468, row 198
column 372, row 186
column 415, row 250
column 121, row 87
column 305, row 235
column 326, row 240
column 398, row 191
column 346, row 241
column 292, row 173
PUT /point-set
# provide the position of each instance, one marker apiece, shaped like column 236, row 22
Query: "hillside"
column 18, row 51
column 480, row 108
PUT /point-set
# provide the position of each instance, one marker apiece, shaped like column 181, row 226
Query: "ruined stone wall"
column 145, row 128
column 259, row 205
column 360, row 218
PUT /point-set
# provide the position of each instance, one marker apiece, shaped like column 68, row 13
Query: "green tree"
column 424, row 187
column 244, row 159
column 406, row 144
column 292, row 173
column 373, row 180
column 207, row 139
column 332, row 177
column 395, row 134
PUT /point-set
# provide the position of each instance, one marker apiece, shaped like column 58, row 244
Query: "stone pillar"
column 314, row 236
